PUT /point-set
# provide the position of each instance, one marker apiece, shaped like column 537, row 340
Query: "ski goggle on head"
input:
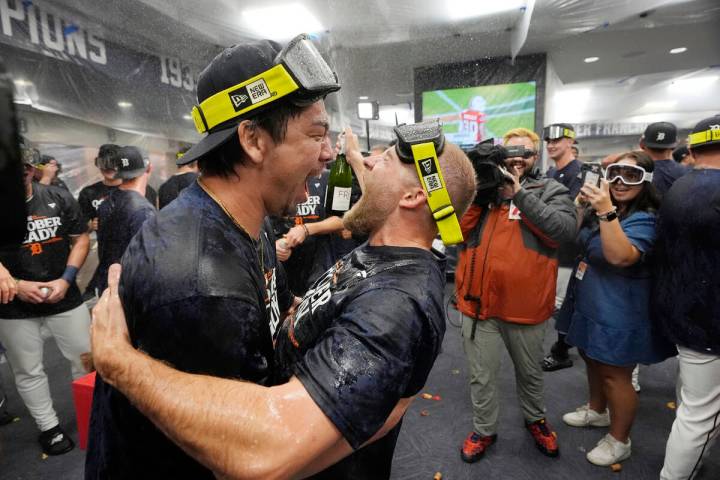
column 553, row 132
column 299, row 68
column 627, row 174
column 421, row 144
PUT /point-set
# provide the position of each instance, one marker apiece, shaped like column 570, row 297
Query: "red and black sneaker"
column 545, row 438
column 475, row 445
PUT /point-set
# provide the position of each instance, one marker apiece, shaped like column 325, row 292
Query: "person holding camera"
column 505, row 282
column 606, row 311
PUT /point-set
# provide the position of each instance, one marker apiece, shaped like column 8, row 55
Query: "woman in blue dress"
column 608, row 303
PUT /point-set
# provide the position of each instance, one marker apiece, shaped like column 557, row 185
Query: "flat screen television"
column 472, row 114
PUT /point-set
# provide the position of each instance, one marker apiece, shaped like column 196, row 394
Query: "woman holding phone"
column 607, row 310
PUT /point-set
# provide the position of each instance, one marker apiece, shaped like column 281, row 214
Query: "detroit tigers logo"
column 660, row 137
column 715, row 127
column 35, row 249
column 125, row 162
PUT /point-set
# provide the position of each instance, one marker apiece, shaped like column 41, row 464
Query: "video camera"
column 488, row 160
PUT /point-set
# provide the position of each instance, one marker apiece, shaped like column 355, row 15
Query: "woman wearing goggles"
column 606, row 310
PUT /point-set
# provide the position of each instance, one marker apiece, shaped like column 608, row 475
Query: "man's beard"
column 370, row 212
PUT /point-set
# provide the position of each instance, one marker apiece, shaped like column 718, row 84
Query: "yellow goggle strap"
column 244, row 97
column 568, row 133
column 428, row 169
column 703, row 137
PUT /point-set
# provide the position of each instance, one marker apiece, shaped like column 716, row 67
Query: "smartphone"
column 591, row 173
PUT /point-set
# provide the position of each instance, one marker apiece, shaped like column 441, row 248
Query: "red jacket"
column 508, row 267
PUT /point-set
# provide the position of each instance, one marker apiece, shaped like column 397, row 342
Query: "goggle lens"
column 628, row 174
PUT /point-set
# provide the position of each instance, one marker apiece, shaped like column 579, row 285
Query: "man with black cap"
column 687, row 299
column 562, row 149
column 200, row 282
column 658, row 141
column 123, row 212
column 43, row 269
column 359, row 346
column 682, row 156
column 92, row 196
column 187, row 174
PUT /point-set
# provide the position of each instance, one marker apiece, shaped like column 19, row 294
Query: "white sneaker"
column 586, row 417
column 609, row 451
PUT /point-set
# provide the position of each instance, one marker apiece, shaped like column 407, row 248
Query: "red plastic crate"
column 83, row 389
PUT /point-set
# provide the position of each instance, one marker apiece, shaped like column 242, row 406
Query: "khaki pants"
column 524, row 343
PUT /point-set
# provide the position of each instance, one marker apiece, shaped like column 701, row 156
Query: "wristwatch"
column 609, row 216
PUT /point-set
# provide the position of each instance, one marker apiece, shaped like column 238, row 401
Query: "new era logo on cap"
column 250, row 94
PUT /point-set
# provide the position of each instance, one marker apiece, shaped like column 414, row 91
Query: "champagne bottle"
column 339, row 186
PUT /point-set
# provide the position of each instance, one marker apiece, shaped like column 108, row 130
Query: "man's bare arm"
column 238, row 430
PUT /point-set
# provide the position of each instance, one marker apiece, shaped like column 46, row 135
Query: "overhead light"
column 459, row 9
column 20, row 82
column 187, row 117
column 368, row 110
column 591, row 59
column 364, row 97
column 693, row 85
column 123, row 104
column 281, row 22
column 678, row 50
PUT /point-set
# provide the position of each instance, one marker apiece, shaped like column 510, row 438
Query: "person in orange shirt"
column 505, row 282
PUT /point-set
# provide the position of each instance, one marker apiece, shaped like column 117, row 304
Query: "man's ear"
column 253, row 140
column 413, row 198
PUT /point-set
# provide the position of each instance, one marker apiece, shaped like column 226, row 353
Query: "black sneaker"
column 55, row 441
column 6, row 418
column 550, row 363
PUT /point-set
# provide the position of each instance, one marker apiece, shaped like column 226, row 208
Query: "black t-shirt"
column 317, row 253
column 119, row 218
column 365, row 336
column 92, row 196
column 569, row 176
column 53, row 216
column 665, row 173
column 194, row 296
column 687, row 259
column 174, row 185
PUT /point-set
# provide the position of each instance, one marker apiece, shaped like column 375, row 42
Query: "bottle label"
column 341, row 199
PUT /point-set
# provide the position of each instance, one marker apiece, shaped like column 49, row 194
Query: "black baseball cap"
column 231, row 66
column 680, row 153
column 706, row 132
column 660, row 135
column 131, row 163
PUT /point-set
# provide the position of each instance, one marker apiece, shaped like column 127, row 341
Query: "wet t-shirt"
column 365, row 336
column 174, row 185
column 194, row 296
column 53, row 217
column 92, row 196
column 119, row 218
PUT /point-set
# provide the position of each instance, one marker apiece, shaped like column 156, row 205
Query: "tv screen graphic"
column 473, row 114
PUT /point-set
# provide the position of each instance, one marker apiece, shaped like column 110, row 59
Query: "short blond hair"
column 522, row 132
column 459, row 176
